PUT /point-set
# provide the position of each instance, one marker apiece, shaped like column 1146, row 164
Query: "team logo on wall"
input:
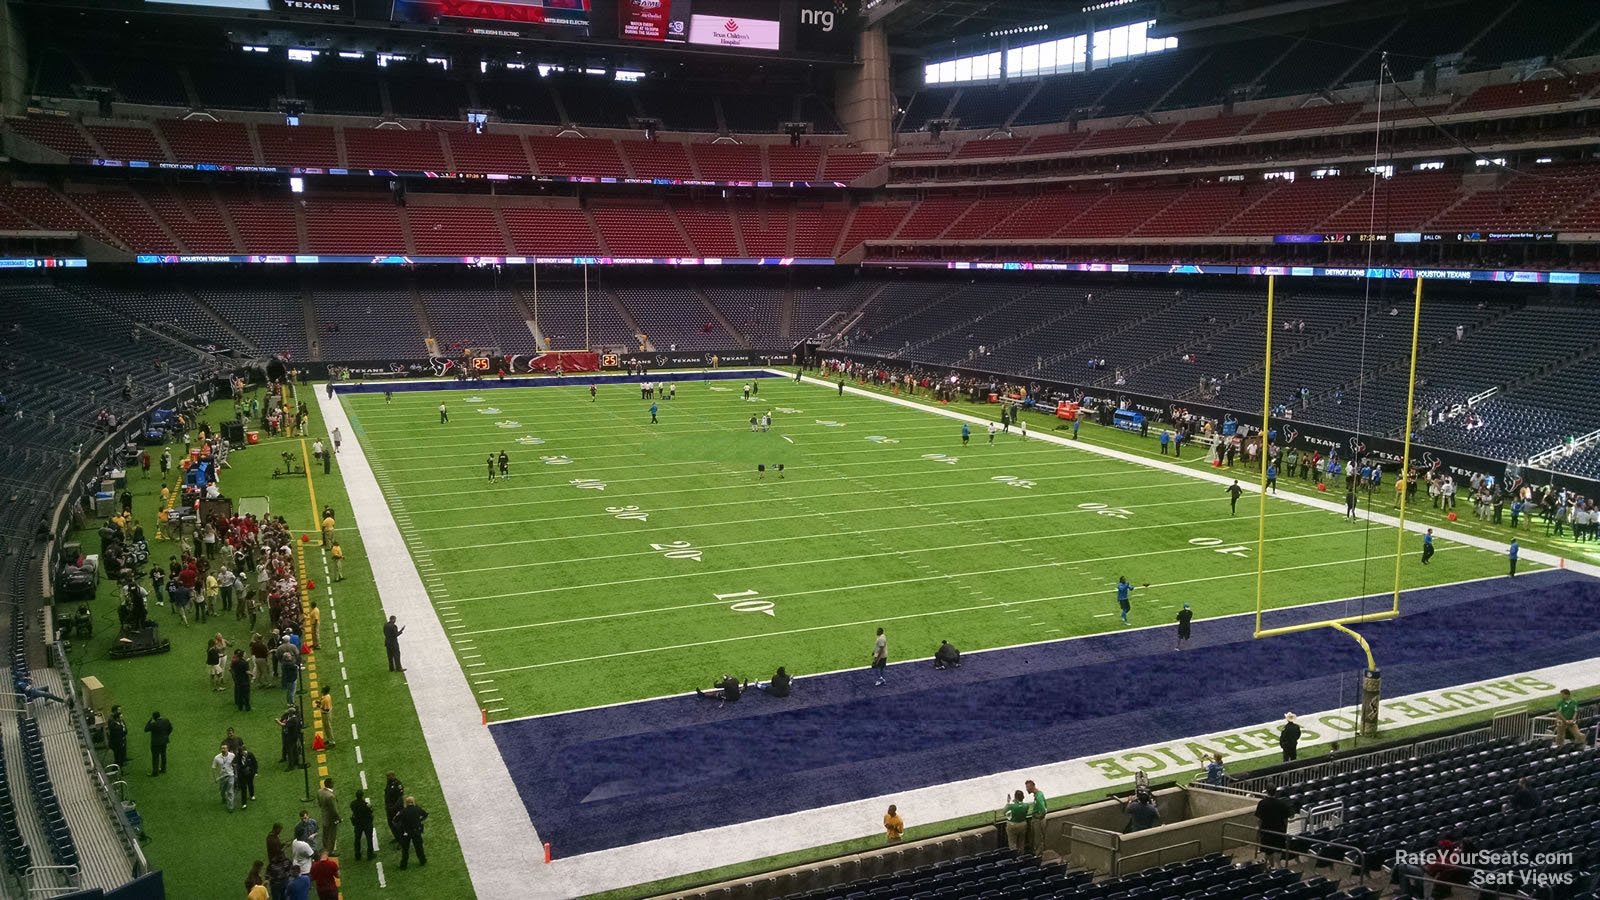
column 1292, row 435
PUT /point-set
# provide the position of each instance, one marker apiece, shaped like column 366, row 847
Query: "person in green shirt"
column 1037, row 808
column 1016, row 813
column 1567, row 720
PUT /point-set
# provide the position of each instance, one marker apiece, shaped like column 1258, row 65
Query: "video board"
column 824, row 27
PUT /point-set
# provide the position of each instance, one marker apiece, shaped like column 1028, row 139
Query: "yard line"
column 924, row 469
column 703, row 463
column 581, row 496
column 938, row 612
column 835, row 590
column 809, row 515
column 740, row 503
column 834, row 535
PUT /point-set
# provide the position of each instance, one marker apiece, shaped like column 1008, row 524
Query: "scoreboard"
column 811, row 28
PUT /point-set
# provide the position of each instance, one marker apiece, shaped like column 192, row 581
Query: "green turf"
column 203, row 850
column 883, row 518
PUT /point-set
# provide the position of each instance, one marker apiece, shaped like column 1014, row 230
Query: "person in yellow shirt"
column 213, row 593
column 255, row 884
column 325, row 703
column 893, row 826
column 327, row 530
column 338, row 562
column 161, row 524
column 314, row 619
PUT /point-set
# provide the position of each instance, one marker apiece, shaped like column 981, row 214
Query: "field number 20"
column 677, row 550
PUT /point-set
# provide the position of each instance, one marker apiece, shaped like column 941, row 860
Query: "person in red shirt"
column 325, row 875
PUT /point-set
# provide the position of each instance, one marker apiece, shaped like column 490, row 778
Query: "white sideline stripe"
column 1001, row 604
column 496, row 836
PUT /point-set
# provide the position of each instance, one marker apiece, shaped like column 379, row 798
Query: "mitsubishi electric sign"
column 737, row 32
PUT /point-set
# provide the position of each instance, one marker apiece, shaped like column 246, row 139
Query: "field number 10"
column 745, row 602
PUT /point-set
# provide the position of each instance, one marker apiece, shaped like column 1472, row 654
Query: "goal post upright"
column 1405, row 452
column 1266, row 423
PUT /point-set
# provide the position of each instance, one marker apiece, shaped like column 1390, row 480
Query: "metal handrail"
column 1121, row 860
column 1347, row 860
column 97, row 774
column 1226, row 789
column 1323, row 814
column 57, row 890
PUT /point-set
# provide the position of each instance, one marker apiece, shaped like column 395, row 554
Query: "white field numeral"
column 744, row 601
column 629, row 513
column 1013, row 480
column 941, row 458
column 1115, row 512
column 1216, row 546
column 677, row 550
column 588, row 484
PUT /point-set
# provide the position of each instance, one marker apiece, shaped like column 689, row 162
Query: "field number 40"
column 1104, row 510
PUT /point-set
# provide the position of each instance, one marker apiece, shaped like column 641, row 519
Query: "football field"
column 625, row 559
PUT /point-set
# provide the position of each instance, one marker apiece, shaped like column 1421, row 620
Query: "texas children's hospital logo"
column 731, row 31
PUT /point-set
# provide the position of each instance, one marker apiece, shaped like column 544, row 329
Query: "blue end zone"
column 593, row 780
column 582, row 380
